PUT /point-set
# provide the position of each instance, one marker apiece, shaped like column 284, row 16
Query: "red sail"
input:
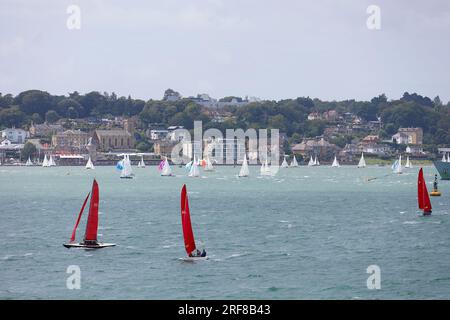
column 189, row 242
column 422, row 193
column 72, row 238
column 92, row 222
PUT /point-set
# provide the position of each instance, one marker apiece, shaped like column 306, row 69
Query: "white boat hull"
column 192, row 259
column 87, row 246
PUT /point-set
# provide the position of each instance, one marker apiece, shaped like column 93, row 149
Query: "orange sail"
column 422, row 194
column 189, row 242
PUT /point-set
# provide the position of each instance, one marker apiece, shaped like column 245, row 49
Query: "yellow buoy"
column 435, row 193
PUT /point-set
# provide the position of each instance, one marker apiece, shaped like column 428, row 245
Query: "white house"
column 158, row 134
column 16, row 136
column 177, row 135
column 401, row 138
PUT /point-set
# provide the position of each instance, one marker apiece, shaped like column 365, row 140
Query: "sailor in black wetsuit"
column 435, row 184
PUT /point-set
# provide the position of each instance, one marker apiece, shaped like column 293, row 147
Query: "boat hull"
column 443, row 168
column 193, row 259
column 88, row 246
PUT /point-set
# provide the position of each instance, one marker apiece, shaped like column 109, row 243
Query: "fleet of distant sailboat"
column 90, row 240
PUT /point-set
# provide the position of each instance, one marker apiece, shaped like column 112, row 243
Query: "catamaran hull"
column 88, row 246
column 443, row 168
column 126, row 177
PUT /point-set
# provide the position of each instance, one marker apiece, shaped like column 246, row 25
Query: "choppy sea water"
column 307, row 233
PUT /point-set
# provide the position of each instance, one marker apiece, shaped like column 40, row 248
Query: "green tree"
column 35, row 101
column 51, row 116
column 36, row 118
column 12, row 117
column 28, row 150
column 63, row 106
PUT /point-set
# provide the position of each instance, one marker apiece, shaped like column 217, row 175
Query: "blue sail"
column 119, row 165
column 188, row 166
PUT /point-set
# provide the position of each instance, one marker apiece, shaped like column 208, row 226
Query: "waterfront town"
column 72, row 140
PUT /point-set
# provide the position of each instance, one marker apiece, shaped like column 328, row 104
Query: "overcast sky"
column 265, row 48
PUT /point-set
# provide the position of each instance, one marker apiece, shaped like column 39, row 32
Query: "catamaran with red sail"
column 189, row 241
column 90, row 236
column 422, row 195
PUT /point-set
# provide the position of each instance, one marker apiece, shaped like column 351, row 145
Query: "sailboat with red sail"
column 422, row 195
column 188, row 235
column 90, row 236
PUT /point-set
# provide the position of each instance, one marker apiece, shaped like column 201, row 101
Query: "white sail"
column 335, row 163
column 448, row 157
column 45, row 162
column 408, row 163
column 166, row 170
column 141, row 163
column 294, row 162
column 208, row 166
column 89, row 164
column 397, row 167
column 443, row 158
column 29, row 163
column 262, row 171
column 268, row 172
column 284, row 164
column 362, row 162
column 244, row 172
column 316, row 162
column 127, row 171
column 51, row 162
column 311, row 162
column 194, row 172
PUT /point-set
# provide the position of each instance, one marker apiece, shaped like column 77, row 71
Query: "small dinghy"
column 189, row 243
column 244, row 172
column 362, row 162
column 165, row 169
column 89, row 164
column 90, row 236
column 294, row 163
column 335, row 163
column 284, row 164
column 126, row 170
